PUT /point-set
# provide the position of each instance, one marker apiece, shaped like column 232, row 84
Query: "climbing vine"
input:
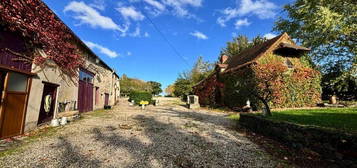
column 208, row 91
column 273, row 81
column 269, row 80
column 40, row 26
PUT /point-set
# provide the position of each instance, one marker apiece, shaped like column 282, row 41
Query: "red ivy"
column 37, row 22
column 207, row 91
column 269, row 78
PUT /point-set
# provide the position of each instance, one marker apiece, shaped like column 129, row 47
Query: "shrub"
column 140, row 96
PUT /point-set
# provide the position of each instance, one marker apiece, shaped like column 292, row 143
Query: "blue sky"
column 120, row 32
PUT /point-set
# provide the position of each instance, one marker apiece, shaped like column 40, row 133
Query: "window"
column 84, row 76
column 289, row 64
column 17, row 82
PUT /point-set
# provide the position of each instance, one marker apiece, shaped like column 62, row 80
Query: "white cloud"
column 88, row 15
column 242, row 22
column 263, row 9
column 180, row 7
column 130, row 13
column 136, row 33
column 156, row 4
column 146, row 34
column 199, row 35
column 98, row 4
column 269, row 35
column 102, row 49
column 129, row 53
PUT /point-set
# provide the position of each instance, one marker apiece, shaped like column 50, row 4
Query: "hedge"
column 140, row 96
column 332, row 145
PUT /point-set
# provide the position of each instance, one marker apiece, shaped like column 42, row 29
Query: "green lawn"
column 344, row 119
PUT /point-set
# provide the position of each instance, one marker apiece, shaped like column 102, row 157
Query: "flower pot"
column 64, row 121
column 55, row 123
column 333, row 99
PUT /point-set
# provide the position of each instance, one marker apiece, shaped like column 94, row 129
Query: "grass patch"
column 178, row 102
column 34, row 136
column 234, row 117
column 217, row 109
column 343, row 119
column 97, row 113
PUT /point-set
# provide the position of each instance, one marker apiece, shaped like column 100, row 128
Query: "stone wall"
column 332, row 145
column 105, row 81
column 67, row 91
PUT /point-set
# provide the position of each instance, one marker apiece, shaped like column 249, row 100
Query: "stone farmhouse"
column 34, row 94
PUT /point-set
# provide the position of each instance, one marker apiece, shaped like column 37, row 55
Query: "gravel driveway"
column 164, row 136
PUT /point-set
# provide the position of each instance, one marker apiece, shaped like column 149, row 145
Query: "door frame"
column 80, row 107
column 56, row 87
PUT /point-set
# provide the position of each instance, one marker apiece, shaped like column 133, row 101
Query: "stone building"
column 32, row 95
column 296, row 84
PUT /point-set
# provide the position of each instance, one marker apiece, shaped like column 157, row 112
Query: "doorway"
column 106, row 99
column 48, row 103
column 85, row 91
column 14, row 94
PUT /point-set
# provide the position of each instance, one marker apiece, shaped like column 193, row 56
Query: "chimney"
column 223, row 59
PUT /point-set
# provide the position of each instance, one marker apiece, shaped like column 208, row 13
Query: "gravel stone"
column 164, row 136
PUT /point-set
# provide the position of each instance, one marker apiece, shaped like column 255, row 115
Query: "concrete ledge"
column 332, row 145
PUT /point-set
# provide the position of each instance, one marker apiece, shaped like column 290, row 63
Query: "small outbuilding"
column 275, row 70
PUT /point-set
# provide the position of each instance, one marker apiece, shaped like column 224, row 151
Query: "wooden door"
column 106, row 99
column 47, row 108
column 85, row 91
column 13, row 104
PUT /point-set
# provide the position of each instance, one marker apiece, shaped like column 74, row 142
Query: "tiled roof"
column 250, row 55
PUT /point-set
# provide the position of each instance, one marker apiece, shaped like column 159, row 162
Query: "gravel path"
column 165, row 136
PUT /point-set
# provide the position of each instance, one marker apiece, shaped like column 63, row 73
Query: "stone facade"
column 105, row 79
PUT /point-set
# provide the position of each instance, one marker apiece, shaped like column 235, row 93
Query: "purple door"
column 106, row 99
column 85, row 91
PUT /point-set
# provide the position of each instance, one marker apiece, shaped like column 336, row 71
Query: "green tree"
column 155, row 87
column 170, row 90
column 128, row 85
column 240, row 43
column 183, row 87
column 200, row 70
column 329, row 28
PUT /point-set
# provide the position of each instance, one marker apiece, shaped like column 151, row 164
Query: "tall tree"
column 128, row 85
column 200, row 70
column 185, row 81
column 170, row 90
column 329, row 27
column 183, row 87
column 155, row 87
column 240, row 43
